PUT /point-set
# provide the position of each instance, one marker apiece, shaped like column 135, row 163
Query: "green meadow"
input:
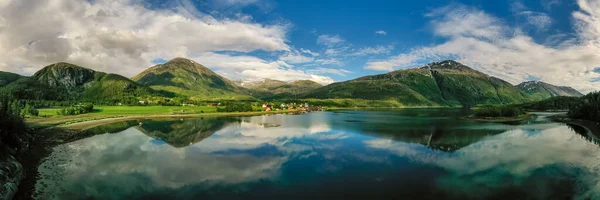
column 137, row 110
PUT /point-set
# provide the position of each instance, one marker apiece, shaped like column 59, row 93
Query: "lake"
column 411, row 153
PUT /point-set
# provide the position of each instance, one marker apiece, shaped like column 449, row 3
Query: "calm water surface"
column 415, row 153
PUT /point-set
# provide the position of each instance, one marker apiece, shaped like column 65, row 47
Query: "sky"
column 555, row 41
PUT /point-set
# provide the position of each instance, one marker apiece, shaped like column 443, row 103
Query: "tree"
column 12, row 127
column 29, row 111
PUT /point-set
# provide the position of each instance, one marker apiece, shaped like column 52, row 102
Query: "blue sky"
column 556, row 41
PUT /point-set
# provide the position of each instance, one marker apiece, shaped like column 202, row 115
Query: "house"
column 141, row 102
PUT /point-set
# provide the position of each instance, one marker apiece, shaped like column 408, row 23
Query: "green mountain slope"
column 446, row 83
column 269, row 88
column 7, row 77
column 538, row 90
column 187, row 78
column 64, row 81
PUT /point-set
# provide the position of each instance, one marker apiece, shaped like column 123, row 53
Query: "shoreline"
column 87, row 121
column 502, row 119
column 45, row 138
column 83, row 123
column 41, row 146
column 591, row 126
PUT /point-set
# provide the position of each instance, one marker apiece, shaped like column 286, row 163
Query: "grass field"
column 137, row 110
column 49, row 116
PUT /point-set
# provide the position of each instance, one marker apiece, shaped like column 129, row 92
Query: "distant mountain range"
column 274, row 89
column 539, row 90
column 446, row 83
column 7, row 77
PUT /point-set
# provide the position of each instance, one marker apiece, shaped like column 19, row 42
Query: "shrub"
column 76, row 110
column 12, row 127
column 588, row 109
column 29, row 110
column 498, row 111
column 236, row 107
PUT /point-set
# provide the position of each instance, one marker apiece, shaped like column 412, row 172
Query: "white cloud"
column 373, row 50
column 548, row 4
column 329, row 39
column 253, row 68
column 119, row 36
column 486, row 43
column 381, row 32
column 329, row 61
column 324, row 70
column 295, row 57
column 538, row 20
column 309, row 52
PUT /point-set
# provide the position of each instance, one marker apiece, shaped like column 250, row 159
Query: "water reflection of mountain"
column 587, row 130
column 445, row 131
column 182, row 133
column 434, row 136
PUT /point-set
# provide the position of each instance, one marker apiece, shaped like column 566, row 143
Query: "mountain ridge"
column 444, row 83
column 8, row 77
column 540, row 90
column 188, row 78
column 276, row 89
column 65, row 81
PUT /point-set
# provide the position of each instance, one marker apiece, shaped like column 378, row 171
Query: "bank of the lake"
column 54, row 131
column 432, row 153
column 502, row 119
column 67, row 130
column 591, row 127
column 115, row 113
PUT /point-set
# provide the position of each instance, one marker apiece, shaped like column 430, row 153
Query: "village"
column 292, row 106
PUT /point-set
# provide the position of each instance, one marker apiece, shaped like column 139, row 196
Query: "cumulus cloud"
column 486, row 43
column 325, row 70
column 124, row 37
column 381, row 32
column 253, row 68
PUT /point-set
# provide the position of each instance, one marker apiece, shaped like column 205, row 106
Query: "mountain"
column 538, row 90
column 446, row 83
column 269, row 88
column 7, row 77
column 265, row 84
column 187, row 78
column 65, row 81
